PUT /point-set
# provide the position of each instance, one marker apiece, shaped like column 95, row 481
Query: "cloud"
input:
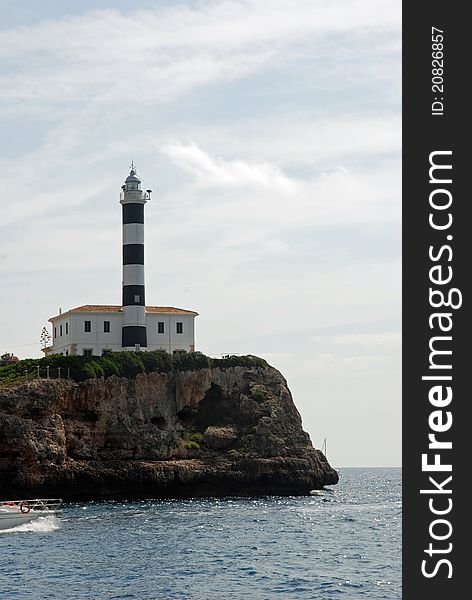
column 310, row 141
column 94, row 73
column 95, row 56
column 387, row 339
column 214, row 171
column 273, row 199
column 328, row 365
column 243, row 209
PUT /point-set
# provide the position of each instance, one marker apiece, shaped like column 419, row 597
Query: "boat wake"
column 39, row 525
column 321, row 492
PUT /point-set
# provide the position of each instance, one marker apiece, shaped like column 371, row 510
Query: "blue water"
column 344, row 544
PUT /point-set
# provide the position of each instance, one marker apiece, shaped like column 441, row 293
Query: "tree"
column 45, row 338
column 8, row 359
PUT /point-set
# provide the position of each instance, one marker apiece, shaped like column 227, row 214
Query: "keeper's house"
column 92, row 329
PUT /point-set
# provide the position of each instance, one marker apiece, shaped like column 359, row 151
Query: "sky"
column 270, row 134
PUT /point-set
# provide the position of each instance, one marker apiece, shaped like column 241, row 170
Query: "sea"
column 344, row 542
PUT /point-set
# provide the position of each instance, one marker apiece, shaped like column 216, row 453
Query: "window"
column 137, row 298
column 87, row 351
column 67, row 328
column 88, row 326
column 106, row 326
column 67, row 352
column 60, row 330
column 55, row 332
column 160, row 327
column 180, row 327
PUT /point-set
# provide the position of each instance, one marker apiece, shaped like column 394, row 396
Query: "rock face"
column 208, row 432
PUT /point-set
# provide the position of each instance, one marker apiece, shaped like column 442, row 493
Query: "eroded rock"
column 211, row 432
column 220, row 438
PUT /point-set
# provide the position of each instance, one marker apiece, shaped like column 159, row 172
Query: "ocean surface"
column 340, row 544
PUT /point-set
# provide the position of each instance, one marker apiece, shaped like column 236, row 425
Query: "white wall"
column 170, row 340
column 97, row 340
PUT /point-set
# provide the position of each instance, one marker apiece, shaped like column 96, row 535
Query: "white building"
column 92, row 329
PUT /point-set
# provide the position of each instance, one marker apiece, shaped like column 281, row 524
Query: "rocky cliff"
column 206, row 432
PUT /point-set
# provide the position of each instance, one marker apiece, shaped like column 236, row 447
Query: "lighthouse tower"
column 94, row 329
column 133, row 199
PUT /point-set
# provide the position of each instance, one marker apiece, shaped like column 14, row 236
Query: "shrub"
column 125, row 364
column 8, row 371
column 258, row 395
column 158, row 361
column 8, row 359
column 109, row 366
column 93, row 369
column 191, row 445
column 129, row 363
column 74, row 366
column 190, row 361
column 239, row 361
column 236, row 451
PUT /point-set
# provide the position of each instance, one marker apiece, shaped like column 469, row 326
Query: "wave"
column 39, row 525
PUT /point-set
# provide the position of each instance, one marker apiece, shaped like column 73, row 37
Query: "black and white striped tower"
column 133, row 199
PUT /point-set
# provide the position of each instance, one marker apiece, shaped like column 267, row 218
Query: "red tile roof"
column 106, row 308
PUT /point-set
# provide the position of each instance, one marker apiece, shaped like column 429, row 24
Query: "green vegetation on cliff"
column 123, row 364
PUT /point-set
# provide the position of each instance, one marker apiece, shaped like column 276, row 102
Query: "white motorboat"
column 18, row 512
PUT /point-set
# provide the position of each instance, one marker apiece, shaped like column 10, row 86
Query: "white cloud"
column 312, row 141
column 328, row 365
column 96, row 56
column 273, row 199
column 214, row 171
column 245, row 209
column 387, row 339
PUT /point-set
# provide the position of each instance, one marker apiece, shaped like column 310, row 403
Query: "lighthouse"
column 133, row 199
column 93, row 329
